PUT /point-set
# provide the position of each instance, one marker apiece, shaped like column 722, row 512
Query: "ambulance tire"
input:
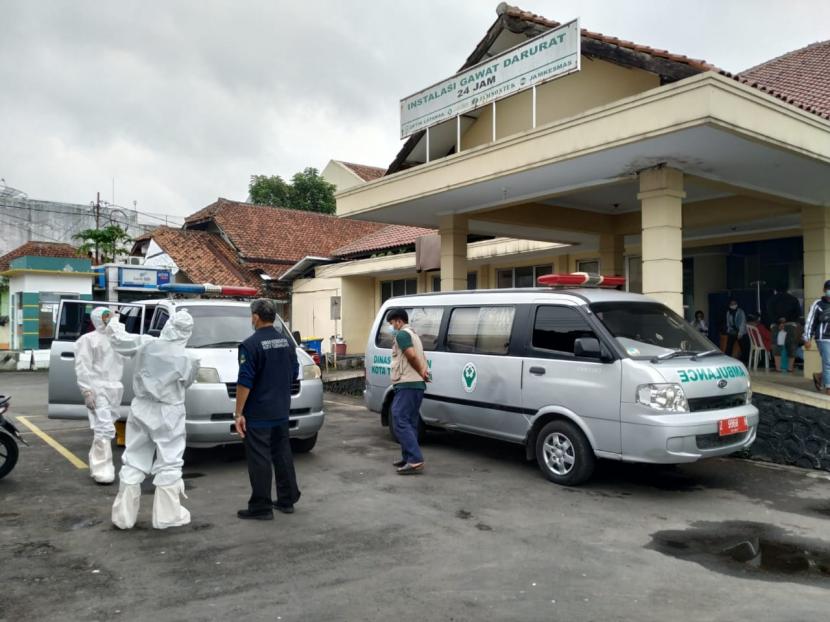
column 303, row 445
column 563, row 453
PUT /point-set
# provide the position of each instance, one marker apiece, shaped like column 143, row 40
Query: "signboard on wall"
column 335, row 307
column 552, row 54
column 140, row 277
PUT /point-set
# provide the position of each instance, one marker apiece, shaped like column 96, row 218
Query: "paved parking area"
column 480, row 536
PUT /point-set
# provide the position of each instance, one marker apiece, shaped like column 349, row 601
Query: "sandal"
column 411, row 469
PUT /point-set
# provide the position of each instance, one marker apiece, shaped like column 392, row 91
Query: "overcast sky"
column 181, row 102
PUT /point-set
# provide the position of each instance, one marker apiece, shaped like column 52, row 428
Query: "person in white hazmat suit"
column 98, row 371
column 156, row 425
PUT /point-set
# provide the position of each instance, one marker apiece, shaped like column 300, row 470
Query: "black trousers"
column 267, row 449
column 745, row 344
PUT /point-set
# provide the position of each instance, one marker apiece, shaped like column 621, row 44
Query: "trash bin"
column 314, row 343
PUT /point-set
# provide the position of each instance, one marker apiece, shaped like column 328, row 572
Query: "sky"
column 177, row 103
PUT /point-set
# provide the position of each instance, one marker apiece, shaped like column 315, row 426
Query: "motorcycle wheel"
column 8, row 454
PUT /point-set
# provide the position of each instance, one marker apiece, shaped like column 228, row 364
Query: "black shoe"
column 259, row 515
column 285, row 509
column 398, row 464
column 411, row 469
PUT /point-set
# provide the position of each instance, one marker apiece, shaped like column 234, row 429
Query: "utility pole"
column 97, row 221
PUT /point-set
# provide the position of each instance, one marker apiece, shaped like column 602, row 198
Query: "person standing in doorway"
column 268, row 367
column 736, row 331
column 410, row 374
column 817, row 326
column 700, row 323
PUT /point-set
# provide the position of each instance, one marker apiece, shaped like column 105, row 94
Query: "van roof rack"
column 580, row 279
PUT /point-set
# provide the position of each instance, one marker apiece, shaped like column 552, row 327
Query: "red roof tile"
column 390, row 236
column 270, row 234
column 701, row 65
column 38, row 249
column 365, row 172
column 204, row 257
column 801, row 78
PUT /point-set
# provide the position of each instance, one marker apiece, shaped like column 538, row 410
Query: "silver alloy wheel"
column 559, row 453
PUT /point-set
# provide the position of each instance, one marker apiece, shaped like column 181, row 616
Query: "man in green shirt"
column 409, row 377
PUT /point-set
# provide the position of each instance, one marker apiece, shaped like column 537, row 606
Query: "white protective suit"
column 98, row 369
column 163, row 369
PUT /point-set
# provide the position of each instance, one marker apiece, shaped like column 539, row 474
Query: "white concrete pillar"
column 453, row 232
column 661, row 197
column 815, row 225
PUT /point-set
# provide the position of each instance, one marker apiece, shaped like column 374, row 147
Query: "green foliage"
column 106, row 243
column 308, row 191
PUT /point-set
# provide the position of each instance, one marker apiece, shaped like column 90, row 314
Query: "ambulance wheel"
column 303, row 445
column 564, row 454
column 8, row 454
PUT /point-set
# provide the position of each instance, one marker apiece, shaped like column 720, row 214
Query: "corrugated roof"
column 800, row 77
column 390, row 236
column 38, row 249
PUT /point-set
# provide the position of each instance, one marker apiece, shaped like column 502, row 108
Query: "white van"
column 573, row 375
column 218, row 328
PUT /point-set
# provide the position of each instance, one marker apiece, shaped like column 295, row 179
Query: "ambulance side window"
column 159, row 320
column 480, row 330
column 555, row 329
column 425, row 321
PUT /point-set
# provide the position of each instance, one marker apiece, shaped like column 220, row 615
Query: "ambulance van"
column 572, row 374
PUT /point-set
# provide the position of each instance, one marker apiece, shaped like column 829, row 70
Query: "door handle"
column 67, row 355
column 537, row 371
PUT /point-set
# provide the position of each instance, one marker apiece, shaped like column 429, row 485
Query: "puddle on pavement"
column 750, row 550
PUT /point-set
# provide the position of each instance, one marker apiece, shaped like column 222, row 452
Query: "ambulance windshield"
column 648, row 329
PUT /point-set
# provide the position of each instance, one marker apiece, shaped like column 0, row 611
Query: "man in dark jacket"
column 783, row 304
column 267, row 368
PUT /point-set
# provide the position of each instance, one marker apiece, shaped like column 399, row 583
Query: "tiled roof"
column 268, row 234
column 204, row 257
column 801, row 78
column 390, row 236
column 701, row 65
column 365, row 172
column 38, row 249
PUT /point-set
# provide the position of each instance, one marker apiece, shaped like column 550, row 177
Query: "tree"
column 265, row 190
column 106, row 243
column 308, row 191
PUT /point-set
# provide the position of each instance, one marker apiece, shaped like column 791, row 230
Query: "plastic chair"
column 756, row 348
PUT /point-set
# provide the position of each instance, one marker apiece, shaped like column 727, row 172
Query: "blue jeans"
column 406, row 407
column 824, row 351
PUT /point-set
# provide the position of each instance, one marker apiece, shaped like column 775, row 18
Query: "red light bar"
column 207, row 288
column 580, row 279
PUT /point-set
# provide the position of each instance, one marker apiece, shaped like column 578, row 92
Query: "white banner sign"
column 552, row 54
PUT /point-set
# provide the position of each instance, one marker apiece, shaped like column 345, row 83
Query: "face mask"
column 253, row 326
column 827, row 292
column 733, row 307
column 390, row 330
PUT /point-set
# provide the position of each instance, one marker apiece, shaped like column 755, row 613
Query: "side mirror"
column 591, row 348
column 587, row 347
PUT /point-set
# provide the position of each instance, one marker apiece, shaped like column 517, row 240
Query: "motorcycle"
column 9, row 438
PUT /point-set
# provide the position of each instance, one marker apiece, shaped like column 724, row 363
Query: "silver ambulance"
column 573, row 375
column 219, row 326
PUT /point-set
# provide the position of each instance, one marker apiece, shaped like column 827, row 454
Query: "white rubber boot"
column 100, row 461
column 125, row 507
column 167, row 508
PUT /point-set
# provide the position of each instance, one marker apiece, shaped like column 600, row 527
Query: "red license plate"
column 733, row 425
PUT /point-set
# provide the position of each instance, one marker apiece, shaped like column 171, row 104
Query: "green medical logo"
column 469, row 377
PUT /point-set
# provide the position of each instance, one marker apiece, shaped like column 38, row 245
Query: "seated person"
column 785, row 338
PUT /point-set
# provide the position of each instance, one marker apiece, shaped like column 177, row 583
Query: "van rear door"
column 65, row 401
column 554, row 378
